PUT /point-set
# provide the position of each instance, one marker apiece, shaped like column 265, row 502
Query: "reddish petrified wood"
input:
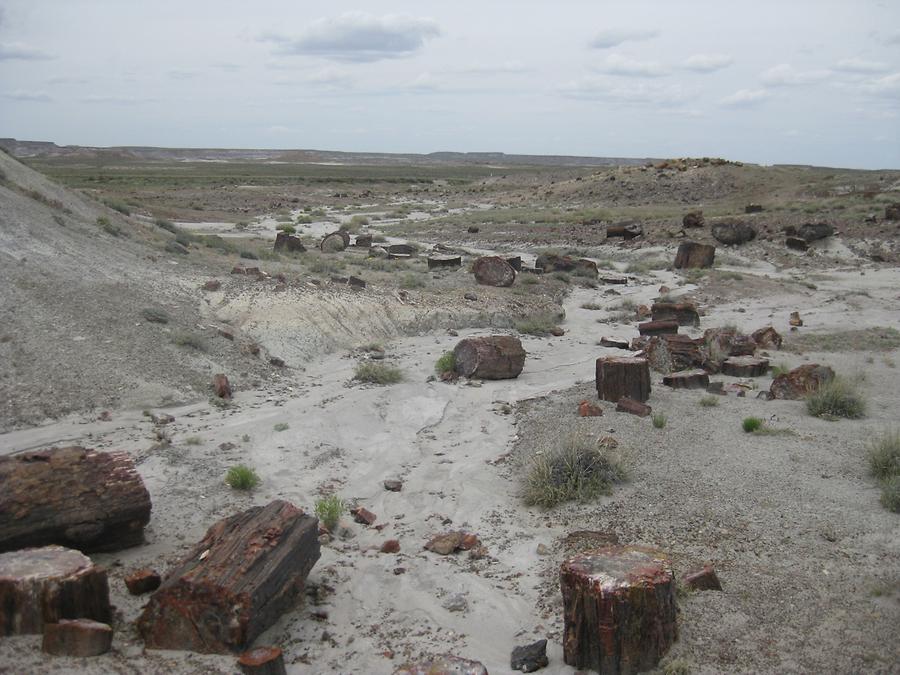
column 619, row 609
column 587, row 409
column 795, row 319
column 492, row 270
column 693, row 219
column 77, row 637
column 685, row 313
column 235, row 583
column 142, row 581
column 553, row 262
column 687, row 379
column 671, row 353
column 800, row 382
column 221, row 386
column 212, row 285
column 495, row 357
column 745, row 366
column 651, row 328
column 443, row 665
column 767, row 338
column 622, row 376
column 693, row 255
column 44, row 585
column 631, row 407
column 625, row 231
column 262, row 661
column 76, row 497
column 363, row 516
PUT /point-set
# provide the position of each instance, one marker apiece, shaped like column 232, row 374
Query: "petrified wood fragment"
column 495, row 357
column 622, row 376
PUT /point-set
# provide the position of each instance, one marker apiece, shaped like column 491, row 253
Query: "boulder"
column 692, row 219
column 529, row 658
column 800, row 382
column 767, row 338
column 692, row 255
column 733, row 233
column 493, row 271
column 221, row 386
column 587, row 409
column 811, row 232
column 288, row 242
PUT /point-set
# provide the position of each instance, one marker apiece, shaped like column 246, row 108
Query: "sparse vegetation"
column 838, row 398
column 287, row 229
column 242, row 477
column 166, row 225
column 282, row 426
column 108, row 226
column 593, row 306
column 377, row 373
column 411, row 280
column 576, row 470
column 193, row 440
column 884, row 466
column 865, row 339
column 710, row 401
column 329, row 511
column 536, row 325
column 751, row 424
column 528, row 279
column 119, row 206
column 445, row 364
column 155, row 315
column 659, row 420
column 187, row 339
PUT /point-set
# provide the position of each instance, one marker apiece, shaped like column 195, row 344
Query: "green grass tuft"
column 446, row 363
column 329, row 510
column 155, row 315
column 191, row 340
column 710, row 401
column 837, row 398
column 536, row 325
column 377, row 373
column 242, row 477
column 751, row 424
column 282, row 426
column 884, row 465
column 659, row 420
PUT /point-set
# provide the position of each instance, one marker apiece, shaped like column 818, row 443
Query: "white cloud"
column 892, row 38
column 707, row 63
column 613, row 37
column 861, row 66
column 182, row 74
column 10, row 51
column 358, row 36
column 505, row 68
column 884, row 87
column 22, row 95
column 616, row 64
column 114, row 99
column 424, row 82
column 785, row 75
column 745, row 98
column 603, row 89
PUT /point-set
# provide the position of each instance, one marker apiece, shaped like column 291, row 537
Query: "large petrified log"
column 624, row 230
column 43, row 585
column 733, row 233
column 725, row 342
column 671, row 353
column 619, row 609
column 288, row 242
column 650, row 328
column 693, row 255
column 235, row 583
column 623, row 377
column 335, row 242
column 553, row 262
column 801, row 381
column 74, row 496
column 685, row 313
column 767, row 338
column 492, row 270
column 401, row 250
column 439, row 261
column 495, row 357
column 745, row 366
column 687, row 379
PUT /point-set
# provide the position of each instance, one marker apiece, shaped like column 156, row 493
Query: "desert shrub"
column 659, row 420
column 303, row 220
column 751, row 424
column 166, row 225
column 576, row 470
column 242, row 477
column 710, row 401
column 289, row 229
column 174, row 247
column 780, row 369
column 155, row 315
column 355, row 224
column 184, row 238
column 282, row 426
column 837, row 398
column 536, row 325
column 218, row 243
column 562, row 276
column 377, row 373
column 528, row 279
column 116, row 205
column 446, row 363
column 329, row 510
column 412, row 281
column 109, row 227
column 193, row 440
column 593, row 306
column 884, row 455
column 249, row 255
column 322, row 265
column 890, row 493
column 191, row 340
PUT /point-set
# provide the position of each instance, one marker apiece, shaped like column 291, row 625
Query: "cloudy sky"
column 805, row 81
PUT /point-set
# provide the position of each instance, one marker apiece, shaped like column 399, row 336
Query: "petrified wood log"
column 77, row 637
column 767, row 338
column 235, row 583
column 622, row 376
column 335, row 242
column 514, row 261
column 611, row 342
column 733, row 233
column 693, row 255
column 685, row 313
column 651, row 328
column 745, row 366
column 625, row 231
column 671, row 353
column 692, row 219
column 43, row 585
column 401, row 249
column 687, row 379
column 797, row 243
column 801, row 381
column 443, row 665
column 631, row 407
column 288, row 242
column 553, row 262
column 363, row 241
column 76, row 497
column 492, row 270
column 262, row 661
column 619, row 609
column 438, row 261
column 496, row 357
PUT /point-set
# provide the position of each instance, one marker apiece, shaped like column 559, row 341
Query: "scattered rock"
column 363, row 516
column 800, row 382
column 529, row 658
column 472, row 229
column 615, row 344
column 142, row 581
column 443, row 665
column 687, row 379
column 493, row 270
column 221, row 386
column 542, row 549
column 77, row 637
column 692, row 219
column 557, row 331
column 745, row 366
column 262, row 661
column 393, row 485
column 470, row 296
column 693, row 255
column 633, row 407
column 390, row 546
column 586, row 409
column 450, row 542
column 704, row 579
column 276, row 361
column 162, row 419
column 767, row 338
column 753, row 208
column 795, row 319
column 212, row 285
column 733, row 233
column 456, row 603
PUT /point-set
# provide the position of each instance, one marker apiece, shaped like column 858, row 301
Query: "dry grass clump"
column 536, row 325
column 884, row 465
column 190, row 340
column 863, row 340
column 377, row 373
column 837, row 398
column 576, row 470
column 709, row 401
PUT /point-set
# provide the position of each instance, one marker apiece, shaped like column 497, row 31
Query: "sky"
column 799, row 81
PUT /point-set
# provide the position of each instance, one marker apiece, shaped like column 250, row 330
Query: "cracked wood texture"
column 43, row 585
column 496, row 357
column 75, row 497
column 619, row 609
column 623, row 377
column 235, row 583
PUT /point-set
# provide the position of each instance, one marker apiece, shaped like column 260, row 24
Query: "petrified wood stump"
column 262, row 661
column 687, row 379
column 43, row 585
column 619, row 609
column 496, row 357
column 685, row 313
column 651, row 328
column 76, row 497
column 492, row 270
column 335, row 242
column 670, row 353
column 745, row 366
column 623, row 376
column 439, row 261
column 693, row 255
column 235, row 583
column 77, row 637
column 289, row 243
